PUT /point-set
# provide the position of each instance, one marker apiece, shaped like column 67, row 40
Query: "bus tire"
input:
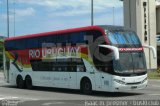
column 28, row 82
column 86, row 86
column 20, row 82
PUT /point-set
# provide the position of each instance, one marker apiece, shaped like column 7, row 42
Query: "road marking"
column 156, row 86
column 54, row 103
column 2, row 98
column 155, row 80
column 154, row 94
column 30, row 99
column 16, row 98
column 7, row 97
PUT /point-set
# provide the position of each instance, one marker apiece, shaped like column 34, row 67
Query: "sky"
column 36, row 16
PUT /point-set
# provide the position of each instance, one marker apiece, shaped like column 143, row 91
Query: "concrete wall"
column 158, row 19
column 140, row 16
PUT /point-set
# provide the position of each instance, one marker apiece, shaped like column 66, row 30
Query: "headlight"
column 119, row 81
column 144, row 80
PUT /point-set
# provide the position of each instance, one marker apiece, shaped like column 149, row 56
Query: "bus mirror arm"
column 114, row 49
column 153, row 50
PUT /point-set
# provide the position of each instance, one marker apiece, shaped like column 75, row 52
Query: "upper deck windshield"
column 124, row 38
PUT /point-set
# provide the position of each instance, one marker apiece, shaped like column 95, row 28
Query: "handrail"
column 153, row 50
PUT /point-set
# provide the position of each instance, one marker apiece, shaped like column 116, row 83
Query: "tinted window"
column 130, row 63
column 77, row 37
column 32, row 43
column 62, row 38
column 112, row 38
column 15, row 45
column 103, row 61
column 120, row 38
column 139, row 61
column 64, row 65
column 125, row 64
column 123, row 37
column 73, row 38
column 95, row 34
column 47, row 39
column 10, row 45
column 20, row 44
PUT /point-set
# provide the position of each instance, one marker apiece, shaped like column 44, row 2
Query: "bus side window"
column 104, row 51
column 32, row 43
column 80, row 68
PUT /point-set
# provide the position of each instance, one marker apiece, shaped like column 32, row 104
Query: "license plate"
column 133, row 87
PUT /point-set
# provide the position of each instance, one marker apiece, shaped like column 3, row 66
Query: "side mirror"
column 114, row 49
column 153, row 50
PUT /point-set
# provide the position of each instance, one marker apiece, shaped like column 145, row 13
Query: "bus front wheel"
column 20, row 82
column 86, row 86
column 28, row 82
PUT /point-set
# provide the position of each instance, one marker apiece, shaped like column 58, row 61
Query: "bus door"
column 98, row 79
column 77, row 68
column 104, row 65
column 105, row 69
column 105, row 77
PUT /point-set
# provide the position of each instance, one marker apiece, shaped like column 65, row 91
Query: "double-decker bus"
column 93, row 58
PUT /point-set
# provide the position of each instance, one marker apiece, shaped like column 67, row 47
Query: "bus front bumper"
column 122, row 86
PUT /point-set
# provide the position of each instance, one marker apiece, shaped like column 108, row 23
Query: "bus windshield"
column 130, row 63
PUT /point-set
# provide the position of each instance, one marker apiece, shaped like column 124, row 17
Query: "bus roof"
column 114, row 28
column 100, row 28
column 57, row 32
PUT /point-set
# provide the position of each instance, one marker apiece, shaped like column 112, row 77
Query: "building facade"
column 158, row 19
column 140, row 16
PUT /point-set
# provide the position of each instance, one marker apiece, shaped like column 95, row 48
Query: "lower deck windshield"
column 133, row 62
column 129, row 63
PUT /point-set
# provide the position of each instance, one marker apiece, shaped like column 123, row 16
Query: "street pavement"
column 41, row 96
